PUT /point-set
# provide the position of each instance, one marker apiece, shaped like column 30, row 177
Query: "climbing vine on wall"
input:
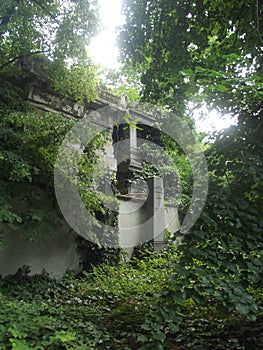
column 43, row 43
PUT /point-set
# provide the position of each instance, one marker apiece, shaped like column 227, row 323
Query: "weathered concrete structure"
column 59, row 253
column 55, row 255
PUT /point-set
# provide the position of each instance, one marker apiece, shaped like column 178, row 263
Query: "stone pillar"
column 155, row 210
column 135, row 162
column 133, row 139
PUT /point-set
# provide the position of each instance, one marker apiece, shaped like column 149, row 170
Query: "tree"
column 51, row 35
column 204, row 51
column 184, row 48
column 57, row 31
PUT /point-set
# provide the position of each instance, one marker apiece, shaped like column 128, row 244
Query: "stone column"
column 135, row 162
column 155, row 209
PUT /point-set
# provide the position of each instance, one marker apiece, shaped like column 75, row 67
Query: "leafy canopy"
column 50, row 35
column 208, row 52
column 55, row 30
column 195, row 49
column 59, row 29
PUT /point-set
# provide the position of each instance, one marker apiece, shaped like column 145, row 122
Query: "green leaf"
column 159, row 336
column 199, row 69
column 243, row 308
column 221, row 88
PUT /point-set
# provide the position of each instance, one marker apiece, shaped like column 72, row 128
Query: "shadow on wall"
column 56, row 255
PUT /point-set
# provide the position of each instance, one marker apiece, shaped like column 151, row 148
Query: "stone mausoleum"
column 59, row 253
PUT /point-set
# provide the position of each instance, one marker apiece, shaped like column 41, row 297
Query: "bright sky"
column 209, row 121
column 104, row 51
column 103, row 48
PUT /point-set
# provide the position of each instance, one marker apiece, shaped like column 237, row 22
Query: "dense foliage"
column 57, row 28
column 199, row 52
column 106, row 309
column 183, row 48
column 196, row 53
column 28, row 147
column 51, row 36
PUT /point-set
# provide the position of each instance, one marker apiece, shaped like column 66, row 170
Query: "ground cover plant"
column 108, row 307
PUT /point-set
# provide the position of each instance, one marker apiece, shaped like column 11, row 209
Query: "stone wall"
column 55, row 252
column 55, row 255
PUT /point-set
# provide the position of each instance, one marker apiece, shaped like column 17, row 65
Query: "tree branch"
column 45, row 9
column 5, row 20
column 258, row 23
column 20, row 57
